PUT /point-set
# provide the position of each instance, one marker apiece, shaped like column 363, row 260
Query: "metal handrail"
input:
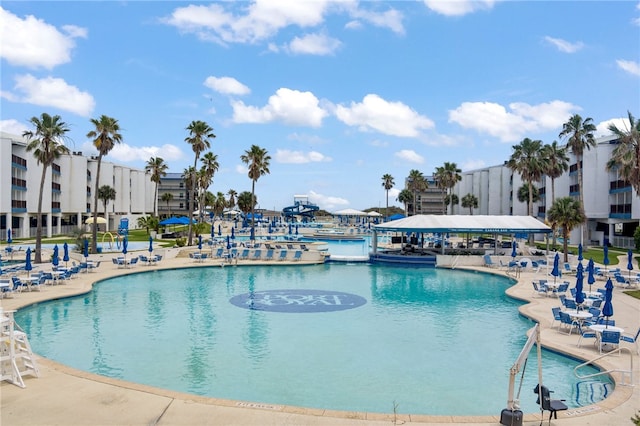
column 624, row 373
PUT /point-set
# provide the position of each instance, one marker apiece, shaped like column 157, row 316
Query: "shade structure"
column 607, row 308
column 579, row 281
column 55, row 259
column 99, row 220
column 171, row 221
column 85, row 248
column 27, row 261
column 514, row 248
column 605, row 260
column 185, row 220
column 630, row 262
column 591, row 278
column 580, row 258
column 556, row 267
column 150, row 244
column 9, row 239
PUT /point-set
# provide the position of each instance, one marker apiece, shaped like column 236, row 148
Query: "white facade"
column 68, row 196
column 611, row 206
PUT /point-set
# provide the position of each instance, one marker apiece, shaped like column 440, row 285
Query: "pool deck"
column 62, row 395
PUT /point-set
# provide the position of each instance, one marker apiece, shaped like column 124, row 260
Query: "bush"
column 636, row 237
column 181, row 242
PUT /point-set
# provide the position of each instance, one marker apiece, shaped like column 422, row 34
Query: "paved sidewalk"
column 66, row 396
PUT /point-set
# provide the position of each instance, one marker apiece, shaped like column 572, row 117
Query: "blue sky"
column 338, row 93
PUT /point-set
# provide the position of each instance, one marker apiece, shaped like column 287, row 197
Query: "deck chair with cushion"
column 633, row 339
column 488, row 262
column 548, row 404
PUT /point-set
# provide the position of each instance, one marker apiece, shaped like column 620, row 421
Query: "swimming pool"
column 425, row 341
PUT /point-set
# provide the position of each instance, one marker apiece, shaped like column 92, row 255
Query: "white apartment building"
column 611, row 205
column 69, row 191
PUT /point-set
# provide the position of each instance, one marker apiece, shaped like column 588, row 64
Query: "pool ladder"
column 624, row 374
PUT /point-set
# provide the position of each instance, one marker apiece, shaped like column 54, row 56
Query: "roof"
column 349, row 212
column 465, row 223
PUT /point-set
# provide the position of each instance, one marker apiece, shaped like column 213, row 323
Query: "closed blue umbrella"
column 579, row 279
column 85, row 249
column 607, row 308
column 233, row 234
column 27, row 261
column 591, row 278
column 125, row 243
column 65, row 253
column 55, row 259
column 150, row 244
column 219, row 229
column 296, row 229
column 514, row 249
column 556, row 267
column 605, row 260
column 580, row 253
column 270, row 228
column 9, row 239
column 290, row 230
column 213, row 231
column 253, row 235
column 200, row 242
column 630, row 262
column 228, row 242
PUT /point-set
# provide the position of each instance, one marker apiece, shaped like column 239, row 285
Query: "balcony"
column 18, row 184
column 618, row 186
column 620, row 211
column 18, row 162
column 18, row 206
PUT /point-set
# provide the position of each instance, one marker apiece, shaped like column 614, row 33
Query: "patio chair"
column 556, row 316
column 269, row 255
column 570, row 304
column 257, row 254
column 596, row 303
column 283, row 254
column 605, row 321
column 297, row 255
column 562, row 289
column 539, row 288
column 488, row 262
column 548, row 404
column 633, row 339
column 622, row 280
column 567, row 269
column 609, row 337
column 219, row 253
column 18, row 284
column 245, row 254
column 586, row 334
column 567, row 322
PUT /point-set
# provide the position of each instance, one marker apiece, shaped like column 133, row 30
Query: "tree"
column 233, row 195
column 523, row 194
column 158, row 169
column 405, row 197
column 528, row 161
column 470, row 201
column 626, row 155
column 189, row 176
column 210, row 166
column 246, row 202
column 105, row 135
column 199, row 135
column 580, row 137
column 566, row 213
column 416, row 182
column 47, row 144
column 451, row 199
column 219, row 204
column 167, row 197
column 557, row 163
column 258, row 161
column 106, row 194
column 387, row 184
column 447, row 177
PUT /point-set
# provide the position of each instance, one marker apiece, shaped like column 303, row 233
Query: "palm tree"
column 470, row 201
column 416, row 182
column 106, row 194
column 580, row 137
column 451, row 199
column 246, row 202
column 258, row 161
column 523, row 194
column 527, row 159
column 105, row 135
column 626, row 155
column 167, row 197
column 405, row 197
column 189, row 176
column 209, row 168
column 219, row 204
column 233, row 195
column 557, row 164
column 387, row 184
column 199, row 135
column 46, row 142
column 158, row 169
column 447, row 176
column 567, row 213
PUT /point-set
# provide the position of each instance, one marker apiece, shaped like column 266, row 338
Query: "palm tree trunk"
column 194, row 187
column 94, row 231
column 386, row 211
column 581, row 194
column 553, row 198
column 253, row 206
column 38, row 257
column 155, row 202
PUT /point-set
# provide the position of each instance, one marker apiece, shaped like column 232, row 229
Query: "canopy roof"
column 349, row 212
column 465, row 223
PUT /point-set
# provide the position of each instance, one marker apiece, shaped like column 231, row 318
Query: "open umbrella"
column 55, row 259
column 514, row 250
column 579, row 280
column 591, row 278
column 605, row 260
column 580, row 253
column 65, row 253
column 607, row 308
column 630, row 262
column 27, row 261
column 556, row 267
column 85, row 249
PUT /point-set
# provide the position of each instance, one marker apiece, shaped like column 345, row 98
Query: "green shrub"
column 181, row 242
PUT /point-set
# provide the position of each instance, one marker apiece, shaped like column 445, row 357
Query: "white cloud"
column 602, row 128
column 563, row 45
column 409, row 155
column 53, row 92
column 241, row 169
column 458, row 7
column 391, row 19
column 299, row 157
column 393, row 194
column 33, row 43
column 327, row 202
column 226, row 86
column 13, row 127
column 125, row 153
column 389, row 118
column 314, row 44
column 631, row 67
column 291, row 107
column 511, row 126
column 472, row 164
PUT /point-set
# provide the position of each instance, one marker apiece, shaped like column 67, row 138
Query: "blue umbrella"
column 9, row 239
column 213, row 231
column 219, row 229
column 55, row 258
column 270, row 228
column 171, row 221
column 253, row 235
column 514, row 251
column 85, row 249
column 228, row 242
column 200, row 242
column 296, row 229
column 125, row 243
column 607, row 308
column 556, row 267
column 150, row 243
column 580, row 253
column 65, row 253
column 27, row 261
column 579, row 278
column 233, row 234
column 605, row 249
column 591, row 278
column 290, row 230
column 630, row 262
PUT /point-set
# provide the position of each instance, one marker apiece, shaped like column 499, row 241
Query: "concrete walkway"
column 64, row 396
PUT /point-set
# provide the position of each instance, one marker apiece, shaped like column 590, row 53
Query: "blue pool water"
column 425, row 341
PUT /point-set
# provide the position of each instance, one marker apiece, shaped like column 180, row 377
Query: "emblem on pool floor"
column 298, row 300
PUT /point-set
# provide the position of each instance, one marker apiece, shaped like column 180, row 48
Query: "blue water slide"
column 306, row 210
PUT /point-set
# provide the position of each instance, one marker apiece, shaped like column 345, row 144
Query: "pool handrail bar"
column 623, row 373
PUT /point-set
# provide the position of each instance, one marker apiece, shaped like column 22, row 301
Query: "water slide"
column 304, row 209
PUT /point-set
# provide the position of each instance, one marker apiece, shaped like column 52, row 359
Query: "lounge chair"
column 269, row 255
column 622, row 281
column 283, row 255
column 488, row 262
column 567, row 269
column 297, row 255
column 245, row 254
column 548, row 404
column 633, row 339
column 257, row 254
